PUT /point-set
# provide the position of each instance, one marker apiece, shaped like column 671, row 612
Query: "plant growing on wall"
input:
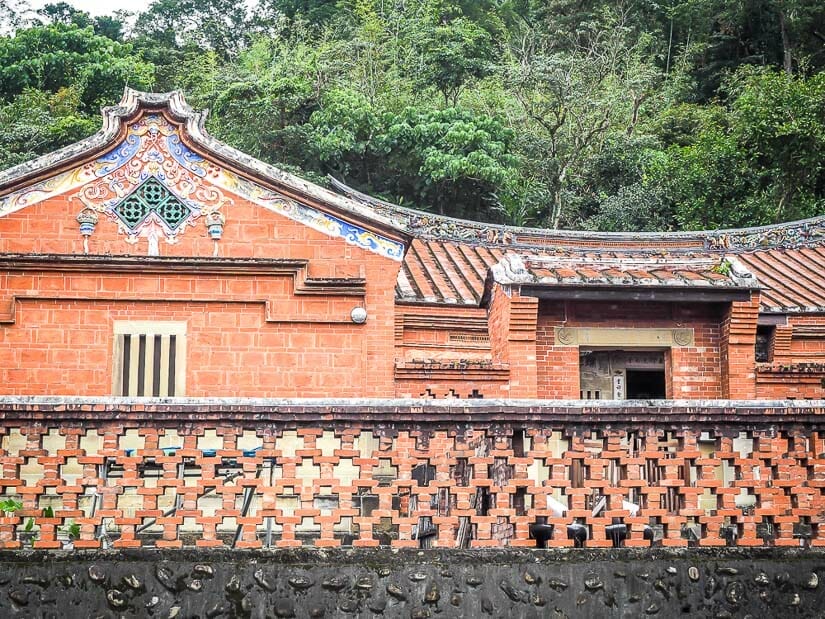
column 9, row 506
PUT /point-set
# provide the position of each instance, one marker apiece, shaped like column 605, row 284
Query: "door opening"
column 645, row 384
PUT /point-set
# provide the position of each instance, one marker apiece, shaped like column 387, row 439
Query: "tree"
column 572, row 101
column 49, row 58
column 780, row 126
column 448, row 56
column 37, row 122
column 217, row 25
column 652, row 114
column 759, row 161
column 452, row 160
column 66, row 14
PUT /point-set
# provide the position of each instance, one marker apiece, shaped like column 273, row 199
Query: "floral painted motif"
column 153, row 149
column 140, row 163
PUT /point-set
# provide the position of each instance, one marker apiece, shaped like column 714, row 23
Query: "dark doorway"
column 645, row 384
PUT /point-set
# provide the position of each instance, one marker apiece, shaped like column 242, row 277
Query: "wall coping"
column 414, row 556
column 743, row 414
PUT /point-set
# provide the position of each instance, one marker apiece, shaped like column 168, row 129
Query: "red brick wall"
column 694, row 371
column 657, row 464
column 231, row 351
column 455, row 385
column 797, row 367
column 807, row 349
column 246, row 335
column 557, row 366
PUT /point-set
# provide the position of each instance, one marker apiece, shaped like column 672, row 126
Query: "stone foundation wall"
column 419, row 584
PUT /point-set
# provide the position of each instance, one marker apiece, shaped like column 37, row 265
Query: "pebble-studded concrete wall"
column 380, row 583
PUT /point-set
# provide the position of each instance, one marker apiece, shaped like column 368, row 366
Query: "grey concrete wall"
column 380, row 583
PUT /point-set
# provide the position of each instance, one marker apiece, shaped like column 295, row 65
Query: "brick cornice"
column 452, row 370
column 142, row 266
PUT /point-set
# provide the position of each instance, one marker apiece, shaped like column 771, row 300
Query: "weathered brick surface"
column 367, row 473
column 737, row 350
column 796, row 367
column 694, row 371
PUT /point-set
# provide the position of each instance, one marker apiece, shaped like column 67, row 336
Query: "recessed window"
column 622, row 374
column 149, row 359
column 764, row 338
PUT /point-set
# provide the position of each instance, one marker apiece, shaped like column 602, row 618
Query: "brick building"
column 151, row 260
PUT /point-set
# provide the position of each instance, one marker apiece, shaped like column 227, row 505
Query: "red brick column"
column 738, row 348
column 781, row 345
column 512, row 320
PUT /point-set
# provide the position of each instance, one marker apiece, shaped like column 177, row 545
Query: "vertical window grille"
column 148, row 359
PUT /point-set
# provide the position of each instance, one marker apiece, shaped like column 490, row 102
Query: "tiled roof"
column 448, row 261
column 455, row 273
column 444, row 272
column 792, row 280
column 611, row 269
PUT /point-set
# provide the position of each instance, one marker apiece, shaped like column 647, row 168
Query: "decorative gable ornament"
column 153, row 185
column 152, row 200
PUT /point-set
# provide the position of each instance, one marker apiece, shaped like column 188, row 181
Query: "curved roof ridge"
column 194, row 122
column 412, row 223
column 423, row 224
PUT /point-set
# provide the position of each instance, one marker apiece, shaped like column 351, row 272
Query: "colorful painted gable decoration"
column 155, row 187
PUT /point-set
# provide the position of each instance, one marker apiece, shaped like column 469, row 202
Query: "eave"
column 619, row 293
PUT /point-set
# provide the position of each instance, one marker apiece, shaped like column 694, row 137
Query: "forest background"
column 587, row 114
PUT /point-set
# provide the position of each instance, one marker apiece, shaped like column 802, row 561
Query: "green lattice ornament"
column 152, row 197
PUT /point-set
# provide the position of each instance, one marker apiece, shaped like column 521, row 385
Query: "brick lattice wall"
column 409, row 473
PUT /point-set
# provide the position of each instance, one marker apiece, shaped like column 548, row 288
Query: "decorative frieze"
column 630, row 338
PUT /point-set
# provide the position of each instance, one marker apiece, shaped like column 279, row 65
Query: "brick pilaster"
column 512, row 321
column 781, row 344
column 738, row 349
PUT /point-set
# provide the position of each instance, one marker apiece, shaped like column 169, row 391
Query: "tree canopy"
column 630, row 115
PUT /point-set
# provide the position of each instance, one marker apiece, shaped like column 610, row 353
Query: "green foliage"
column 217, row 25
column 316, row 11
column 64, row 13
column 758, row 161
column 9, row 506
column 71, row 529
column 779, row 122
column 451, row 159
column 36, row 122
column 342, row 128
column 57, row 56
column 561, row 113
column 448, row 56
